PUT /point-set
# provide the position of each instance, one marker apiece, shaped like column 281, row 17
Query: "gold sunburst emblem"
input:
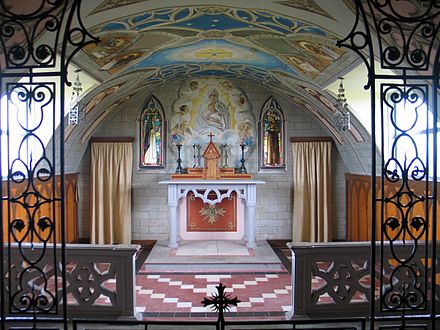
column 212, row 213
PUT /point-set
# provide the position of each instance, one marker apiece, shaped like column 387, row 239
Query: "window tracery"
column 272, row 135
column 152, row 134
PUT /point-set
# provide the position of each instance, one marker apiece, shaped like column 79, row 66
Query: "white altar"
column 245, row 190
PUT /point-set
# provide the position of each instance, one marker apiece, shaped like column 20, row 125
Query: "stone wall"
column 275, row 199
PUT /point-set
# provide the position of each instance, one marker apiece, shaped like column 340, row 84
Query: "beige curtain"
column 110, row 192
column 312, row 191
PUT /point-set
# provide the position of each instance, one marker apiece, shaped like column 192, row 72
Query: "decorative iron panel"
column 404, row 287
column 403, row 37
column 42, row 34
column 31, row 103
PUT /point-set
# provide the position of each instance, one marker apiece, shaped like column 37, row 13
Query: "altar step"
column 213, row 248
column 213, row 267
column 213, row 255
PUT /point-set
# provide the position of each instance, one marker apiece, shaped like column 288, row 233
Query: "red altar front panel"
column 202, row 217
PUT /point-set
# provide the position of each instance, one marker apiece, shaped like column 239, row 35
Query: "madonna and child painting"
column 214, row 106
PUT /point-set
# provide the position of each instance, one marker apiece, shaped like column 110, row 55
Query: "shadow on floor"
column 146, row 247
column 282, row 251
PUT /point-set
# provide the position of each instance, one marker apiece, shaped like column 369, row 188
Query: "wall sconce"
column 77, row 110
column 341, row 118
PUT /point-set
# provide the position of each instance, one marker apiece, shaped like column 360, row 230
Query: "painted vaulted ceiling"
column 220, row 40
column 287, row 47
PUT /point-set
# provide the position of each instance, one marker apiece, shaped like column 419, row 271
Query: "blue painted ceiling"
column 280, row 47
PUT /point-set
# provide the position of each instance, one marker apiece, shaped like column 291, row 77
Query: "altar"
column 212, row 202
column 213, row 192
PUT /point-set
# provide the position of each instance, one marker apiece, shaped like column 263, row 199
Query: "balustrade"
column 100, row 279
column 333, row 279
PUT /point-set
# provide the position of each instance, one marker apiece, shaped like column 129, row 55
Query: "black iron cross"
column 220, row 301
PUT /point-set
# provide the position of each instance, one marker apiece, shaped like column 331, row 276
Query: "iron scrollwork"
column 24, row 172
column 38, row 286
column 403, row 39
column 27, row 27
column 405, row 287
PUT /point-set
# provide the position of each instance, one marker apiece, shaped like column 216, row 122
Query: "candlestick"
column 222, row 153
column 225, row 154
column 242, row 168
column 179, row 169
column 199, row 155
column 195, row 155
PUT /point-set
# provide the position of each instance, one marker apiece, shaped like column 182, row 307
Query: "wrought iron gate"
column 38, row 43
column 402, row 36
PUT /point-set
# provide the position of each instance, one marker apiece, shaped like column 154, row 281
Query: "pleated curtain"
column 312, row 192
column 110, row 192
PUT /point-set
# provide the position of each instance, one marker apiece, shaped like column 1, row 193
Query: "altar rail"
column 100, row 279
column 333, row 279
column 46, row 188
column 358, row 206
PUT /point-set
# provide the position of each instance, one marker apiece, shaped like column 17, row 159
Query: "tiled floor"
column 180, row 295
column 166, row 288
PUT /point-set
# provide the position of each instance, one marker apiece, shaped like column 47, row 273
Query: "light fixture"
column 341, row 117
column 77, row 110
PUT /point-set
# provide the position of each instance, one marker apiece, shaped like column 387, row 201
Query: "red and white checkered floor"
column 166, row 289
column 262, row 294
column 170, row 286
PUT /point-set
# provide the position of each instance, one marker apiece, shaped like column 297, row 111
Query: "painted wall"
column 149, row 209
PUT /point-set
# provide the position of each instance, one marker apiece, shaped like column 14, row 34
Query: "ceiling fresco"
column 308, row 5
column 112, row 4
column 215, row 40
column 216, row 52
column 287, row 47
column 212, row 18
column 216, row 34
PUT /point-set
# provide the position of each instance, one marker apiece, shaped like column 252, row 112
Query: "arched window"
column 152, row 134
column 272, row 131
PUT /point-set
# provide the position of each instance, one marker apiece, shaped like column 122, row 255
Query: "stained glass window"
column 272, row 135
column 152, row 134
